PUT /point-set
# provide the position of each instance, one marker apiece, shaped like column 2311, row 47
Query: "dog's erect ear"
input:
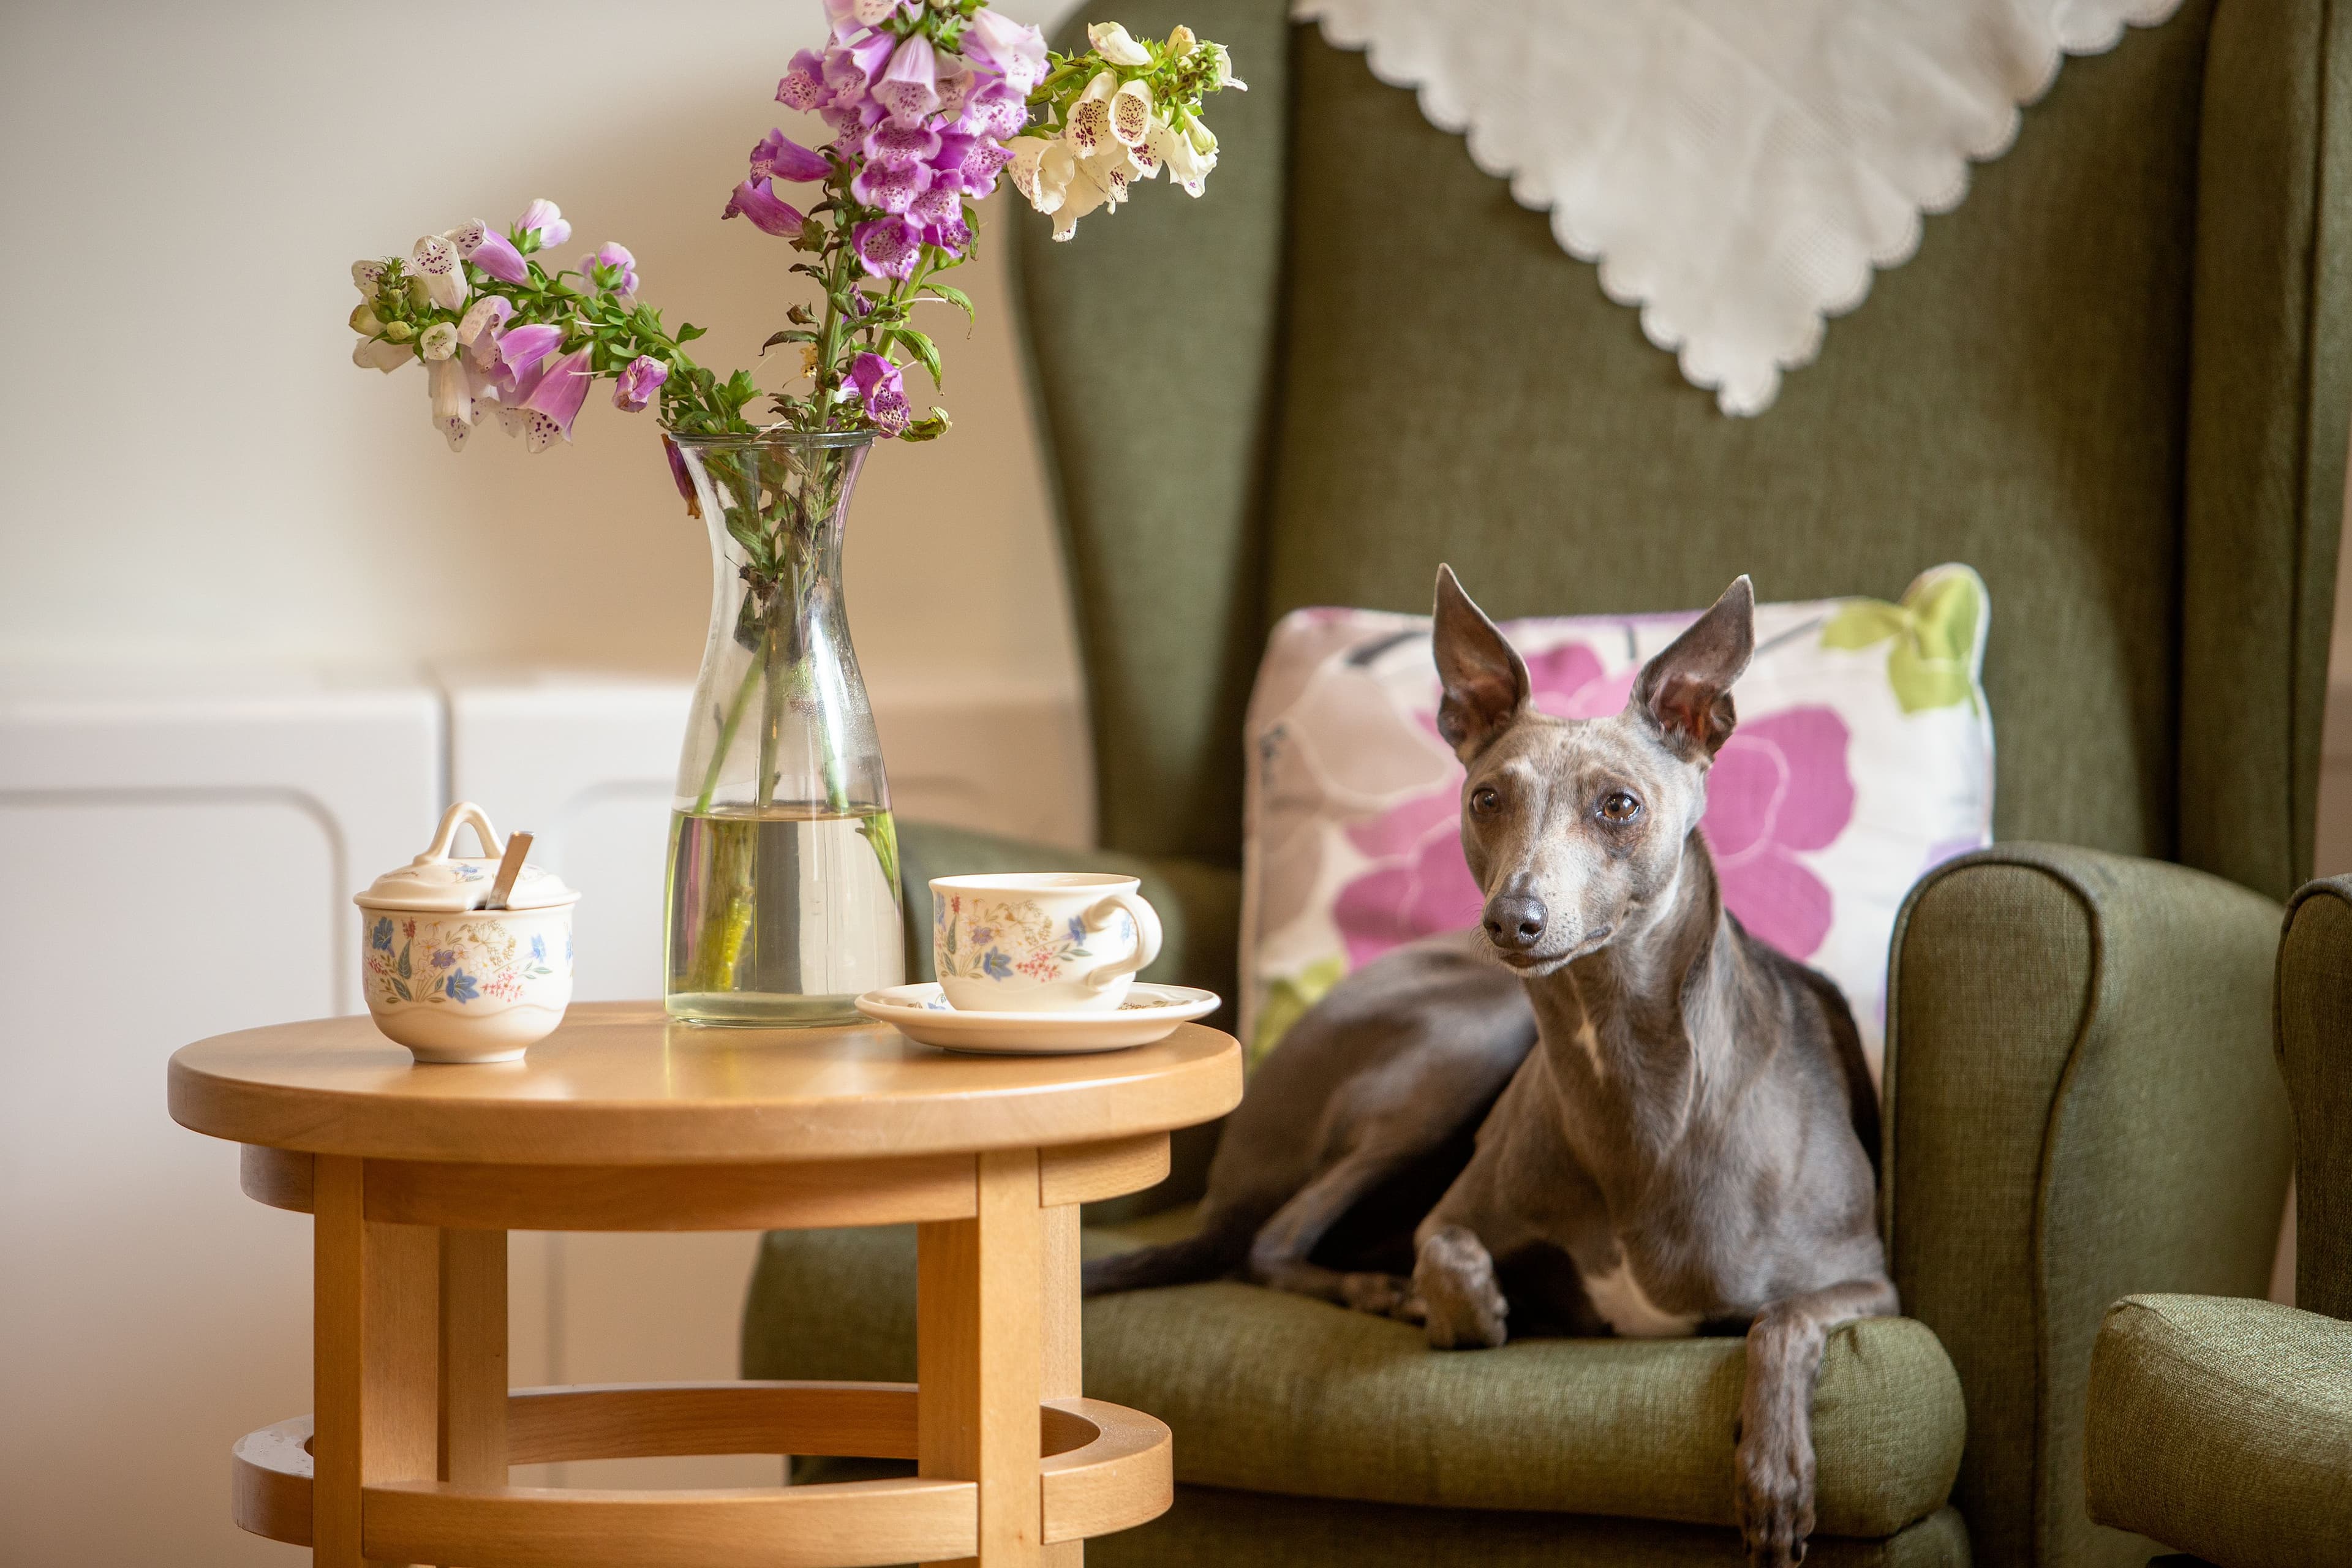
column 1685, row 692
column 1486, row 680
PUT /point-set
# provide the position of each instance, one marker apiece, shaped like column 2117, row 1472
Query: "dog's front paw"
column 1775, row 1495
column 1455, row 1281
column 1386, row 1295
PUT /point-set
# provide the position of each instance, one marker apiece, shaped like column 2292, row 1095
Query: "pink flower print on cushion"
column 1778, row 785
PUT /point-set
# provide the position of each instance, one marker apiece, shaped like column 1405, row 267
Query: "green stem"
column 772, row 725
column 727, row 728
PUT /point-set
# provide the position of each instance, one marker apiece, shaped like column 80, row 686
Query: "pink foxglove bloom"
column 554, row 402
column 681, row 478
column 910, row 88
column 612, row 269
column 893, row 187
column 802, row 89
column 786, row 159
column 635, row 385
column 516, row 353
column 546, row 219
column 437, row 261
column 496, row 256
column 1016, row 52
column 756, row 200
column 941, row 212
column 883, row 392
column 453, row 400
column 891, row 143
column 888, row 246
column 995, row 111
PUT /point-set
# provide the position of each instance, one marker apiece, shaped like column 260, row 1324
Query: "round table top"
column 620, row 1084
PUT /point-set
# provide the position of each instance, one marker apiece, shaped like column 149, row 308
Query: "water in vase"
column 781, row 916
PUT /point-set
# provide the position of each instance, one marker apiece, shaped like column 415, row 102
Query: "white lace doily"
column 1737, row 168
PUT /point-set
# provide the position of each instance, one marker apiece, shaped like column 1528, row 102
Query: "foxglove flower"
column 438, row 343
column 638, row 380
column 802, row 89
column 1017, row 53
column 893, row 187
column 888, row 246
column 375, row 354
column 1115, row 44
column 612, row 269
column 436, row 261
column 516, row 353
column 545, row 219
column 995, row 111
column 496, row 255
column 909, row 90
column 882, row 391
column 941, row 212
column 1131, row 114
column 891, row 143
column 786, row 159
column 1088, row 129
column 554, row 402
column 453, row 400
column 480, row 328
column 1041, row 168
column 367, row 277
column 679, row 477
column 756, row 199
column 1189, row 149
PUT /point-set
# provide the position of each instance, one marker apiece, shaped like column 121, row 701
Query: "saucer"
column 922, row 1015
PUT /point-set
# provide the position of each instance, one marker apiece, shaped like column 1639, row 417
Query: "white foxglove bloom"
column 1131, row 114
column 374, row 353
column 1088, row 130
column 1226, row 77
column 467, row 238
column 368, row 278
column 1083, row 195
column 480, row 329
column 452, row 399
column 1115, row 44
column 437, row 341
column 1180, row 148
column 437, row 262
column 1181, row 42
column 1041, row 168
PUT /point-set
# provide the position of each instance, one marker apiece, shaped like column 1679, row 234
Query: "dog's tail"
column 1215, row 1250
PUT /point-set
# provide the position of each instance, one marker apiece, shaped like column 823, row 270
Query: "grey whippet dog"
column 1674, row 1131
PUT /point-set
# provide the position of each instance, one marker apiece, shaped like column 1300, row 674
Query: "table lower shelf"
column 1104, row 1467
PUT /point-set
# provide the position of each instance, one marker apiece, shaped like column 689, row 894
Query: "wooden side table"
column 622, row 1121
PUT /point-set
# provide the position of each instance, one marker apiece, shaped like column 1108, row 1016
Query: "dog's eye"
column 1483, row 800
column 1619, row 807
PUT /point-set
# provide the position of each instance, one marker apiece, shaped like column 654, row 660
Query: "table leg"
column 979, row 1352
column 473, row 1357
column 1064, row 1372
column 374, row 1326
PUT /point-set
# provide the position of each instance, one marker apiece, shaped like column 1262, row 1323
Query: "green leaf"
column 953, row 296
column 881, row 831
column 400, row 989
column 688, row 331
column 1934, row 632
column 930, row 429
column 923, row 349
column 402, row 968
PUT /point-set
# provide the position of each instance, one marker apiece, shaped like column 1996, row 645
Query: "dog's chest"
column 1621, row 1303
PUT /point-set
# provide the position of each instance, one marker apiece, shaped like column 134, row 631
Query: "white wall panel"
column 171, row 867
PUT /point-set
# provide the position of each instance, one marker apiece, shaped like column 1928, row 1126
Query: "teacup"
column 1040, row 941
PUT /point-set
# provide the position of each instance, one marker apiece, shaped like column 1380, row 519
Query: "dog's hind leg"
column 1278, row 1257
column 1773, row 1461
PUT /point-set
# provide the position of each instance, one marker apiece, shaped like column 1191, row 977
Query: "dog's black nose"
column 1515, row 921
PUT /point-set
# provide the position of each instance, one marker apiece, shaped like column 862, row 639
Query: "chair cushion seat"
column 1275, row 1393
column 2223, row 1427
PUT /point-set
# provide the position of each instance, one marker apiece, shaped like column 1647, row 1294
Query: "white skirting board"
column 178, row 861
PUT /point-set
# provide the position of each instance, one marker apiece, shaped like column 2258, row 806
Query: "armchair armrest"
column 2315, row 1054
column 1200, row 909
column 2081, row 1106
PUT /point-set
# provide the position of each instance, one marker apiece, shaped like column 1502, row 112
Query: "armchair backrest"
column 2114, row 381
column 2314, row 1038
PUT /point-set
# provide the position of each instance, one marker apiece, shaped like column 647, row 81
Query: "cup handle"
column 445, row 838
column 1147, row 936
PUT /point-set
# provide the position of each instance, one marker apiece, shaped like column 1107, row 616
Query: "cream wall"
column 194, row 470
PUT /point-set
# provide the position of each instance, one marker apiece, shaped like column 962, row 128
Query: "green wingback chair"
column 2113, row 380
column 2225, row 1426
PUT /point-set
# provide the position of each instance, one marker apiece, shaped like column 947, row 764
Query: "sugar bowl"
column 451, row 980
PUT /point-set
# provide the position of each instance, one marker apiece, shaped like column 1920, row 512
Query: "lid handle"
column 445, row 836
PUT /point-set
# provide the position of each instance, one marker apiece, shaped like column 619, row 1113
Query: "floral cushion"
column 1863, row 757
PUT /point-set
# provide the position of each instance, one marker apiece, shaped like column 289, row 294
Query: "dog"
column 1608, row 1109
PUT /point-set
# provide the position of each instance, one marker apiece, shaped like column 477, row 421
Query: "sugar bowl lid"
column 438, row 880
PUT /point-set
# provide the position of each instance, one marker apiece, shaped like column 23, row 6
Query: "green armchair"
column 2225, row 1426
column 2115, row 382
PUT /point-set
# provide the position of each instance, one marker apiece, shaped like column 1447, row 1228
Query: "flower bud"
column 364, row 322
column 398, row 331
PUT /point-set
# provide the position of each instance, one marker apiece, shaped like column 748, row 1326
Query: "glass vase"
column 784, row 880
